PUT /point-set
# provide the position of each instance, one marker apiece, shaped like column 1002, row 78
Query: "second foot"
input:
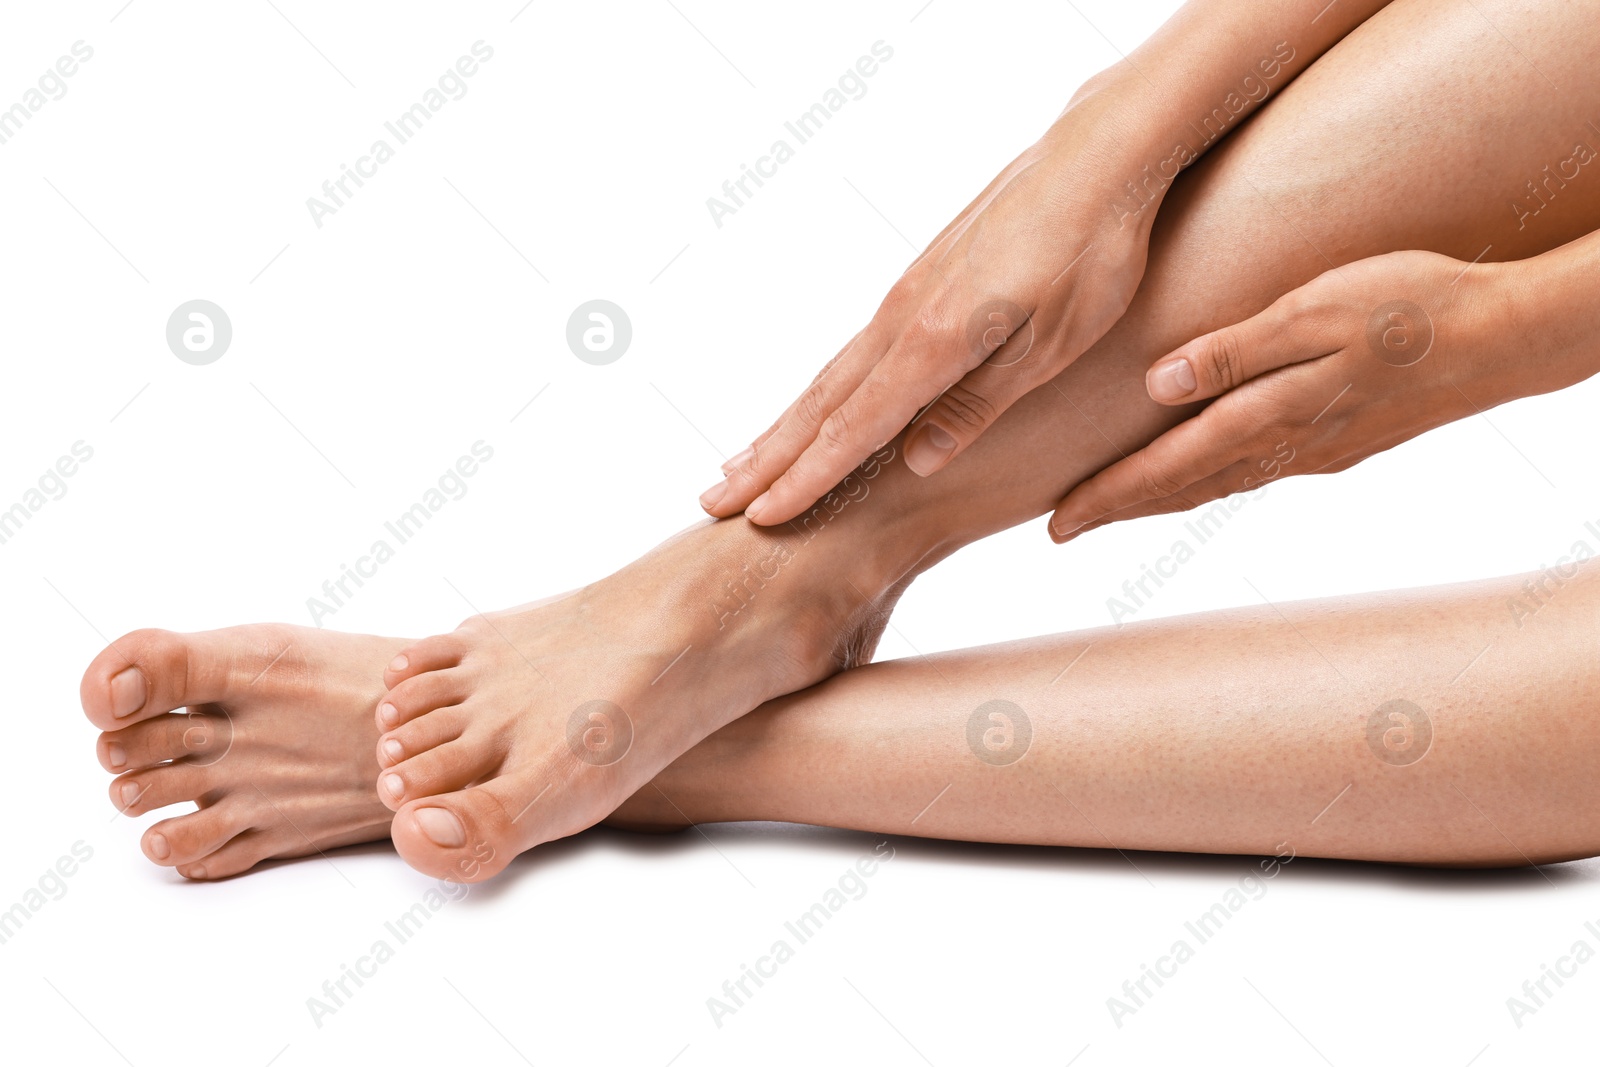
column 528, row 725
column 267, row 728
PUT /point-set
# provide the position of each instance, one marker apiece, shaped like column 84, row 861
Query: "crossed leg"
column 489, row 744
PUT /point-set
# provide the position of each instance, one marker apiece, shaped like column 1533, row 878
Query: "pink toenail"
column 130, row 793
column 393, row 750
column 115, row 755
column 158, row 847
column 388, row 713
column 127, row 692
column 441, row 827
column 394, row 785
column 399, row 663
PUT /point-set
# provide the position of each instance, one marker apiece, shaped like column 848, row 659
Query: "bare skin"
column 276, row 747
column 484, row 712
column 1248, row 731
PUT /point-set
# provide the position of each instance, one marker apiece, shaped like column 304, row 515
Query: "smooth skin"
column 1402, row 343
column 705, row 628
column 1354, row 728
column 989, row 311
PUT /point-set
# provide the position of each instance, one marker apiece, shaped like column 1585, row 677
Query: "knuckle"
column 812, row 406
column 1158, row 482
column 1223, row 360
column 837, row 432
column 966, row 410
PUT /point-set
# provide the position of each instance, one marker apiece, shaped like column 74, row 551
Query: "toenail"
column 158, row 847
column 115, row 755
column 399, row 663
column 709, row 498
column 388, row 713
column 441, row 827
column 394, row 784
column 393, row 750
column 130, row 793
column 127, row 692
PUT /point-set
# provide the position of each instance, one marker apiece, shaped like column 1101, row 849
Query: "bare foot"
column 535, row 723
column 276, row 745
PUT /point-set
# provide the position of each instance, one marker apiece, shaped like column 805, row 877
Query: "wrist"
column 1543, row 318
column 1112, row 138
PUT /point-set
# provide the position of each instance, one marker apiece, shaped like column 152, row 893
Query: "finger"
column 804, row 419
column 741, row 457
column 1224, row 359
column 969, row 407
column 926, row 360
column 1237, row 477
column 1194, row 449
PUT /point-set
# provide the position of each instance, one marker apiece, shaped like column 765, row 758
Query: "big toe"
column 151, row 672
column 458, row 837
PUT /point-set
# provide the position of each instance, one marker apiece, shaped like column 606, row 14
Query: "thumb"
column 1225, row 359
column 961, row 414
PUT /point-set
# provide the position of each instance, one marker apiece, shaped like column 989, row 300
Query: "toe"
column 421, row 693
column 150, row 672
column 445, row 769
column 458, row 837
column 165, row 737
column 142, row 791
column 190, row 838
column 430, row 654
column 235, row 857
column 419, row 735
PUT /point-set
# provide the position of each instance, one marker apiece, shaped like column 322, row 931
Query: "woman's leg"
column 1379, row 146
column 1442, row 725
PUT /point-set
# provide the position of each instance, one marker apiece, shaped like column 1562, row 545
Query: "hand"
column 1019, row 285
column 1351, row 364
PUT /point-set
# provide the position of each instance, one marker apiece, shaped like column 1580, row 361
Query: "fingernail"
column 394, row 785
column 393, row 750
column 1066, row 529
column 130, row 793
column 928, row 449
column 196, row 871
column 441, row 827
column 738, row 461
column 158, row 847
column 388, row 713
column 756, row 507
column 399, row 663
column 709, row 498
column 115, row 755
column 127, row 692
column 1172, row 380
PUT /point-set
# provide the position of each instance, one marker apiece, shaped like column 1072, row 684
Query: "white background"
column 422, row 317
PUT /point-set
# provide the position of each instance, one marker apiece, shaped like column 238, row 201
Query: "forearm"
column 1190, row 84
column 1437, row 726
column 1552, row 317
